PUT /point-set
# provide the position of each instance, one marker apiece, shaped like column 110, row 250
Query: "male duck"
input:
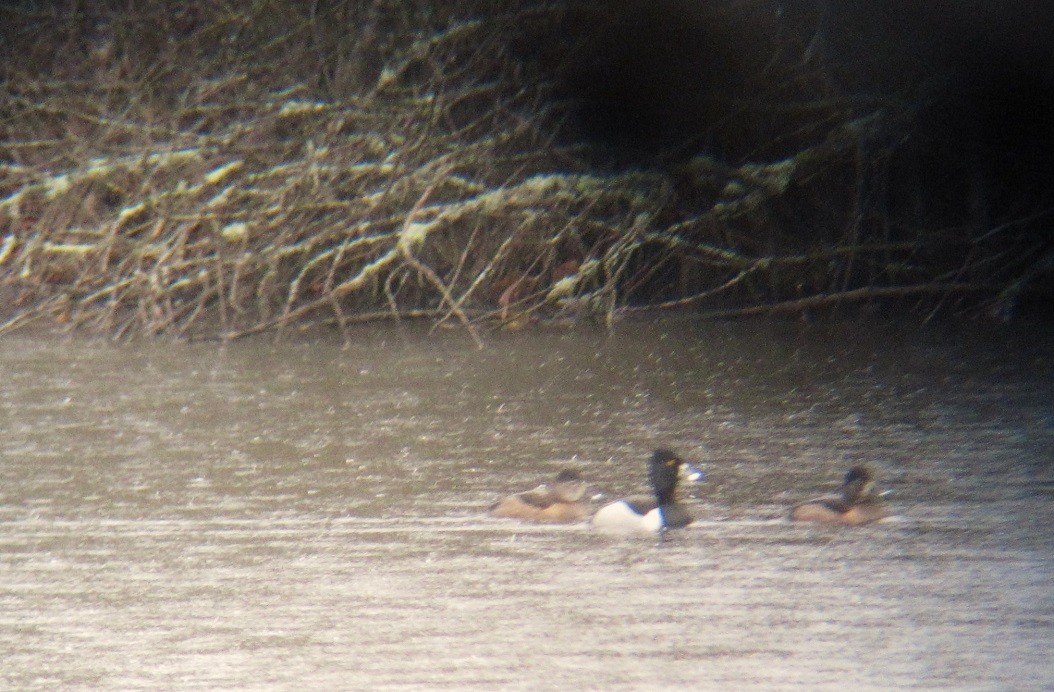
column 655, row 513
column 858, row 504
column 559, row 503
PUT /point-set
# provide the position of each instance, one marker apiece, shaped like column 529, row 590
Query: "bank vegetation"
column 226, row 169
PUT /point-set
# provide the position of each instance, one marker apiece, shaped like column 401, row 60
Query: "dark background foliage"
column 745, row 154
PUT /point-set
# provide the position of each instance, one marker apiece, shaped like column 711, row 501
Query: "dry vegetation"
column 229, row 169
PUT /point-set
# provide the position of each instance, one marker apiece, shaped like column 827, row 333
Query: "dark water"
column 307, row 516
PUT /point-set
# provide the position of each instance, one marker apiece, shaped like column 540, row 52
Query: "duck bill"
column 692, row 474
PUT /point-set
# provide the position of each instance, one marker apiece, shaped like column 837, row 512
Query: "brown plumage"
column 559, row 503
column 858, row 503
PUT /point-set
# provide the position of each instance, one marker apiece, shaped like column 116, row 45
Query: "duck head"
column 859, row 483
column 665, row 469
column 569, row 486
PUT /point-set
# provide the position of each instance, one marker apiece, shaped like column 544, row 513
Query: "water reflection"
column 309, row 515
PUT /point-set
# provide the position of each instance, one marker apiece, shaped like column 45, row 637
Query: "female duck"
column 656, row 513
column 858, row 504
column 560, row 503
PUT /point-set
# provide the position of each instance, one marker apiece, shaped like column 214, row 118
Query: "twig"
column 828, row 299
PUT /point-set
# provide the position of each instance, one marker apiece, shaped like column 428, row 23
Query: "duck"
column 559, row 503
column 656, row 513
column 857, row 505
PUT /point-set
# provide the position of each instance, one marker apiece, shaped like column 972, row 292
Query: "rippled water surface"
column 311, row 516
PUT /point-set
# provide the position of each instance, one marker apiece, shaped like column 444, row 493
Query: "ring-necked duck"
column 559, row 503
column 658, row 512
column 858, row 504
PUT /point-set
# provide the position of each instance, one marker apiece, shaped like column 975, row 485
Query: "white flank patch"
column 619, row 517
